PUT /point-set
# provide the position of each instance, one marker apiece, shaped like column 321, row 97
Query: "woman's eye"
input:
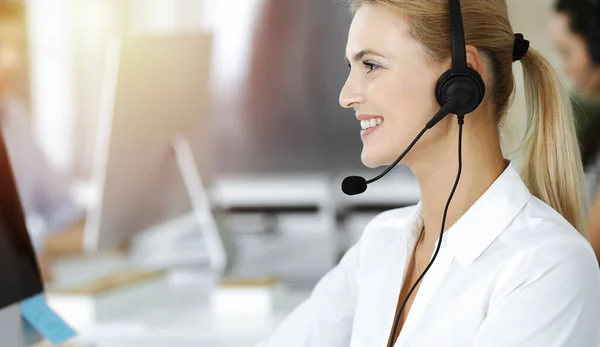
column 371, row 66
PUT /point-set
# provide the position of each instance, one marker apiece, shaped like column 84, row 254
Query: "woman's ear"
column 474, row 59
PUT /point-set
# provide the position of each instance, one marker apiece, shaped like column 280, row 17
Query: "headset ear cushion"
column 471, row 81
column 440, row 94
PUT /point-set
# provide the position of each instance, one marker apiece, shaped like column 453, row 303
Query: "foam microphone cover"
column 353, row 185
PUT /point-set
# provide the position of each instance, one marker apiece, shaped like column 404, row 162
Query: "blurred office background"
column 272, row 145
column 273, row 122
column 276, row 76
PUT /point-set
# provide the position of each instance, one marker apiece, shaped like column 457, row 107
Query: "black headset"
column 461, row 81
column 459, row 91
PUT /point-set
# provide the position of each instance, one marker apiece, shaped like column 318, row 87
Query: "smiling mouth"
column 371, row 123
column 367, row 128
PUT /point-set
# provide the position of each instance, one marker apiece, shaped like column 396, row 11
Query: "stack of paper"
column 247, row 296
column 110, row 296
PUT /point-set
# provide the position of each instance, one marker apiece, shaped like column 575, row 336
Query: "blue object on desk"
column 37, row 312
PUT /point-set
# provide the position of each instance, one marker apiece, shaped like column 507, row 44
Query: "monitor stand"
column 180, row 243
column 192, row 249
column 15, row 331
column 200, row 204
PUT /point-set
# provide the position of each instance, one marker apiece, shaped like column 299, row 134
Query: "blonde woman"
column 514, row 267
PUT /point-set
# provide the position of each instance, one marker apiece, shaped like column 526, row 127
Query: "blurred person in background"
column 53, row 218
column 576, row 33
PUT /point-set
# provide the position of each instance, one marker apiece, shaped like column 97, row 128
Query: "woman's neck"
column 482, row 163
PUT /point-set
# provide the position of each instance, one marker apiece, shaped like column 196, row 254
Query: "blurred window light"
column 52, row 80
column 152, row 15
column 170, row 15
column 232, row 23
column 93, row 20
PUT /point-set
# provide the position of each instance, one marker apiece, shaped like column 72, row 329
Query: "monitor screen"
column 19, row 274
column 135, row 169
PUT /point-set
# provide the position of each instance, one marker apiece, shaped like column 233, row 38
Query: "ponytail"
column 551, row 162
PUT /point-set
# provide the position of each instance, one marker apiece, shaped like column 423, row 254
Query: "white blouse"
column 510, row 272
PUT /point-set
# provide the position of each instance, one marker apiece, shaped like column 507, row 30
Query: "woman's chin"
column 372, row 160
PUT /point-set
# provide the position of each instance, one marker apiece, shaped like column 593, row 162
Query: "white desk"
column 183, row 318
column 271, row 190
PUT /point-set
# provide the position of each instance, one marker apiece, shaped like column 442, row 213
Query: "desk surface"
column 183, row 318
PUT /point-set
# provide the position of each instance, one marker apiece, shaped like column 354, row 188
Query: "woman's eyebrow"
column 358, row 56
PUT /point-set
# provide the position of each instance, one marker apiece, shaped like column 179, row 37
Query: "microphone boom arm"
column 443, row 112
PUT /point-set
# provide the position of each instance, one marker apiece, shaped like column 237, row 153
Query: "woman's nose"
column 350, row 94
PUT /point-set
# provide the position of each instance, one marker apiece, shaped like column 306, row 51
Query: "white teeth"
column 370, row 123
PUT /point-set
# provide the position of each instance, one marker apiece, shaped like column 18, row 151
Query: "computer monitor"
column 155, row 96
column 20, row 276
column 19, row 273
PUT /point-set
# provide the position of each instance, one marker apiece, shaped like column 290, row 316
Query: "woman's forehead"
column 379, row 29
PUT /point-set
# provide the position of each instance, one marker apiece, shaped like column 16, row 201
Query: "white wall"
column 531, row 18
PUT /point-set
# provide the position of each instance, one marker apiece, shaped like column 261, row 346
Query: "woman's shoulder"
column 540, row 221
column 540, row 235
column 543, row 257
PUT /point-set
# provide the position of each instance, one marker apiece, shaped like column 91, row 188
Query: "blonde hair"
column 550, row 156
